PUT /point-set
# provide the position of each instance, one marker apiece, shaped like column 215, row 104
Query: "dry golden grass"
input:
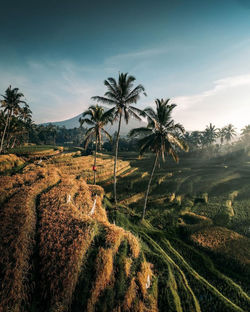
column 144, row 276
column 18, row 223
column 123, row 175
column 133, row 243
column 224, row 241
column 130, row 295
column 9, row 161
column 9, row 185
column 133, row 199
column 127, row 266
column 197, row 218
column 66, row 230
column 83, row 166
column 104, row 268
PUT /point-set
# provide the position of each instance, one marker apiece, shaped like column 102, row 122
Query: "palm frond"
column 139, row 131
column 134, row 114
column 87, row 121
column 104, row 100
column 107, row 135
column 178, row 142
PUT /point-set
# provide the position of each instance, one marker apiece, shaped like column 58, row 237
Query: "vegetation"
column 14, row 117
column 97, row 119
column 64, row 245
column 121, row 94
column 8, row 162
column 159, row 137
column 48, row 203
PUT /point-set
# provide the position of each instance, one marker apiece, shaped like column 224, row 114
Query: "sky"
column 197, row 53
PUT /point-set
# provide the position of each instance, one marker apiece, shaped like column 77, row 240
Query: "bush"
column 221, row 219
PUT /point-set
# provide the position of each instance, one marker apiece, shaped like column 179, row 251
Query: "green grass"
column 190, row 179
column 186, row 274
column 189, row 278
column 31, row 149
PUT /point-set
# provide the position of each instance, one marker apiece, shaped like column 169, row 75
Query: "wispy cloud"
column 54, row 90
column 137, row 55
column 227, row 102
column 219, row 86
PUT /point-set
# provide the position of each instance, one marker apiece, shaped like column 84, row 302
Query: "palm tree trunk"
column 14, row 142
column 149, row 183
column 116, row 155
column 8, row 139
column 95, row 161
column 4, row 132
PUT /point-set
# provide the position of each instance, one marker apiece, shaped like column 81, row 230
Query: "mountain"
column 74, row 123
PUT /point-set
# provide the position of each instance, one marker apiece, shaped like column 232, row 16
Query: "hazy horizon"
column 195, row 53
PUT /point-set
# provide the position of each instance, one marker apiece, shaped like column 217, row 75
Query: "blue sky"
column 195, row 52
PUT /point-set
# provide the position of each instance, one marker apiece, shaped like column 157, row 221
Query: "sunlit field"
column 209, row 202
column 195, row 236
column 62, row 250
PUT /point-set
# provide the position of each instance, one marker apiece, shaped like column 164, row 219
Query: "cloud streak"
column 219, row 86
column 227, row 102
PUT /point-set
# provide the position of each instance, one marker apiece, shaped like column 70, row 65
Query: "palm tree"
column 230, row 132
column 193, row 139
column 25, row 113
column 16, row 128
column 121, row 94
column 160, row 136
column 221, row 135
column 11, row 106
column 51, row 132
column 209, row 135
column 245, row 135
column 246, row 131
column 97, row 119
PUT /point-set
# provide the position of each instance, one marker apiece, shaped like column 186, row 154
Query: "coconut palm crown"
column 96, row 118
column 160, row 136
column 210, row 135
column 230, row 132
column 12, row 99
column 121, row 94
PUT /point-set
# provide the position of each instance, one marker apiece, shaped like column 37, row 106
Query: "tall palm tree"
column 221, row 135
column 230, row 132
column 245, row 135
column 97, row 119
column 159, row 137
column 11, row 106
column 121, row 94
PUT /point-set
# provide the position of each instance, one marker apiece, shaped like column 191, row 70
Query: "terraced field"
column 69, row 249
column 58, row 250
column 201, row 266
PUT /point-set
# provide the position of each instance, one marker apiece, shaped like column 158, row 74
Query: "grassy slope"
column 189, row 278
column 58, row 254
column 189, row 273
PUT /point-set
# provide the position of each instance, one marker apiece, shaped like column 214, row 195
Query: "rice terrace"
column 125, row 156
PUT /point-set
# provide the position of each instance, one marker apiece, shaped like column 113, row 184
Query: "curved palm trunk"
column 116, row 155
column 149, row 183
column 95, row 161
column 4, row 133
